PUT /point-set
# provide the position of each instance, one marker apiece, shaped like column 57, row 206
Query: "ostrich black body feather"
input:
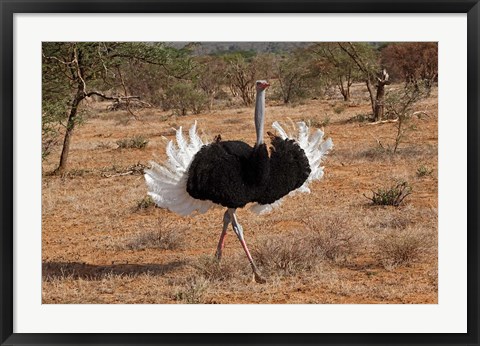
column 232, row 173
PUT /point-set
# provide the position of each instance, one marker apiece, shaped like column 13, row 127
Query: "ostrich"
column 232, row 174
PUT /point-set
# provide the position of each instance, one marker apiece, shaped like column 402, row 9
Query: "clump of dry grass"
column 339, row 108
column 361, row 118
column 315, row 122
column 394, row 222
column 287, row 254
column 402, row 248
column 164, row 239
column 103, row 145
column 136, row 142
column 424, row 171
column 233, row 121
column 375, row 153
column 212, row 269
column 193, row 291
column 145, row 203
column 332, row 239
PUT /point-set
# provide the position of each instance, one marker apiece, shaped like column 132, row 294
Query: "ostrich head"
column 260, row 85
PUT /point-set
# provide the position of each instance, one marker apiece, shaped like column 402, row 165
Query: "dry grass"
column 162, row 239
column 285, row 254
column 103, row 242
column 193, row 291
column 229, row 268
column 164, row 236
column 334, row 240
column 404, row 247
column 145, row 203
column 136, row 142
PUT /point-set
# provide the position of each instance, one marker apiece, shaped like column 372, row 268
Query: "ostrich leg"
column 238, row 229
column 221, row 241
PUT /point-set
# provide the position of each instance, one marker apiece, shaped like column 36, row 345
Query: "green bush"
column 183, row 97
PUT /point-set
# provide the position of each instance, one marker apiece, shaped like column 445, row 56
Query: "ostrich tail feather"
column 167, row 182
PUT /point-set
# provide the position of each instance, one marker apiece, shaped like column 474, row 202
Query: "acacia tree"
column 340, row 69
column 299, row 75
column 56, row 95
column 210, row 76
column 242, row 72
column 292, row 73
column 77, row 70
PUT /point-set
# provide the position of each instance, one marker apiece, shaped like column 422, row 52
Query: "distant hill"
column 206, row 48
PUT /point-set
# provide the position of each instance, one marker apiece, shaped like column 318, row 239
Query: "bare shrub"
column 164, row 239
column 400, row 105
column 332, row 239
column 288, row 254
column 193, row 292
column 400, row 248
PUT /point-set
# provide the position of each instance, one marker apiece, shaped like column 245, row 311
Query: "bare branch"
column 126, row 94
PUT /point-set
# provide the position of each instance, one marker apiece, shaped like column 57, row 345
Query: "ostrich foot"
column 259, row 278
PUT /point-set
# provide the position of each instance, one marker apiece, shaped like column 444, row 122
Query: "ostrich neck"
column 259, row 115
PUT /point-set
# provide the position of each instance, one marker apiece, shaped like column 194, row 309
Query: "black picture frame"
column 9, row 7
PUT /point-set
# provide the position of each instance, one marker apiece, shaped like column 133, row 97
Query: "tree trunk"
column 212, row 100
column 379, row 102
column 380, row 98
column 70, row 127
column 345, row 90
column 370, row 92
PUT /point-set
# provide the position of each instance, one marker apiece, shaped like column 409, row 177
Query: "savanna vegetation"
column 366, row 234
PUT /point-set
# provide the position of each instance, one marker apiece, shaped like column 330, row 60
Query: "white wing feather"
column 315, row 149
column 167, row 183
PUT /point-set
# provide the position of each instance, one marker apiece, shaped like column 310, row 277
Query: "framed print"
column 260, row 172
